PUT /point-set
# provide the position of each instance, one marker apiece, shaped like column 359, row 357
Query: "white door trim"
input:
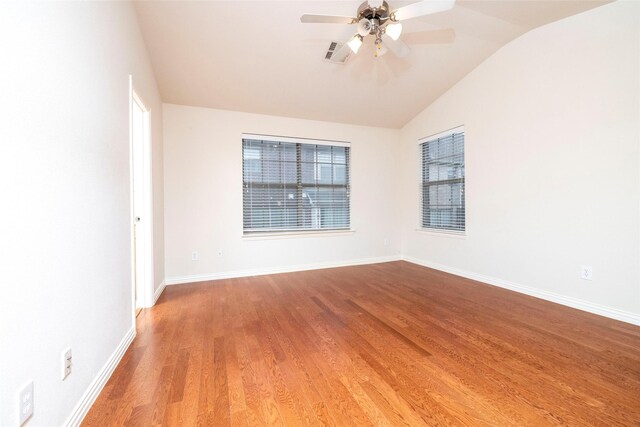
column 145, row 289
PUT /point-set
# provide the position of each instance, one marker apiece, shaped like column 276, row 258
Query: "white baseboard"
column 590, row 307
column 81, row 409
column 287, row 269
column 158, row 292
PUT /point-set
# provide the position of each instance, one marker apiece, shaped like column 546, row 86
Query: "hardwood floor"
column 383, row 344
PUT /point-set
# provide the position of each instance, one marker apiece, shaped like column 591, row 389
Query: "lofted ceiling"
column 256, row 56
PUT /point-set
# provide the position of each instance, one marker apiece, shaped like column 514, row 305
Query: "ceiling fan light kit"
column 375, row 18
column 355, row 43
column 394, row 30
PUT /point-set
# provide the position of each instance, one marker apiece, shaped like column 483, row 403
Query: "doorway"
column 141, row 204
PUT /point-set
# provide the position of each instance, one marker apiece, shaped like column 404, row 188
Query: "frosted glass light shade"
column 394, row 30
column 355, row 43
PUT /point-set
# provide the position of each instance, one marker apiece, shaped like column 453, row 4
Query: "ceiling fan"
column 375, row 18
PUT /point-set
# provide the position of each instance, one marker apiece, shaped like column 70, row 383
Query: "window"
column 291, row 184
column 443, row 181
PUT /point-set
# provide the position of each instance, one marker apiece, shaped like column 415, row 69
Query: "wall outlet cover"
column 586, row 272
column 25, row 404
column 66, row 363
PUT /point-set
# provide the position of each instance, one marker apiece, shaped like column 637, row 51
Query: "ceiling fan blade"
column 422, row 8
column 398, row 47
column 326, row 19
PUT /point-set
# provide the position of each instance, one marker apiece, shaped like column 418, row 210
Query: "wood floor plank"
column 392, row 344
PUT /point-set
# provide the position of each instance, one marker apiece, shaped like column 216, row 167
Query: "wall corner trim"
column 177, row 280
column 159, row 292
column 96, row 386
column 602, row 310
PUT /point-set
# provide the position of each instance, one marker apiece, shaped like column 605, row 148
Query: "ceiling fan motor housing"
column 371, row 19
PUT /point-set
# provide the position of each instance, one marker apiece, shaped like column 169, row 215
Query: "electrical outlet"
column 586, row 272
column 195, row 256
column 220, row 253
column 66, row 363
column 25, row 403
column 386, row 242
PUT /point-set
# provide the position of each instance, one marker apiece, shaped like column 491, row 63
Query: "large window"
column 291, row 184
column 443, row 181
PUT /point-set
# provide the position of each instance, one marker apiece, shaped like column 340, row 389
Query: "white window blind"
column 443, row 181
column 290, row 185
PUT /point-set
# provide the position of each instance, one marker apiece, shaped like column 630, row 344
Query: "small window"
column 443, row 205
column 294, row 185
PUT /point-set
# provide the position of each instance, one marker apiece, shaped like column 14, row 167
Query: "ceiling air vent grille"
column 331, row 50
column 334, row 55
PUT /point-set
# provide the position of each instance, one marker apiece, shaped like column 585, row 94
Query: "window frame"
column 293, row 232
column 445, row 232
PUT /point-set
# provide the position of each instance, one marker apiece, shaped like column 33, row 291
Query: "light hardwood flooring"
column 383, row 344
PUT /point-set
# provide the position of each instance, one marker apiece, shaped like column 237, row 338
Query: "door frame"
column 145, row 289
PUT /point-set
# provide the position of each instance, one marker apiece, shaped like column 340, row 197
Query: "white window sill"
column 296, row 234
column 443, row 233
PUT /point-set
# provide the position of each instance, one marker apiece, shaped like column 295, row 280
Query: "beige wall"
column 552, row 160
column 64, row 177
column 203, row 195
column 553, row 175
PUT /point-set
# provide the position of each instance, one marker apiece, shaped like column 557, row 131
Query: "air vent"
column 331, row 50
column 334, row 54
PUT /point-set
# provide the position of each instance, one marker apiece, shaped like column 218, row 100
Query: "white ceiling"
column 256, row 56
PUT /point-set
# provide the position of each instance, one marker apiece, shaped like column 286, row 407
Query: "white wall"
column 552, row 161
column 553, row 169
column 64, row 178
column 203, row 195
